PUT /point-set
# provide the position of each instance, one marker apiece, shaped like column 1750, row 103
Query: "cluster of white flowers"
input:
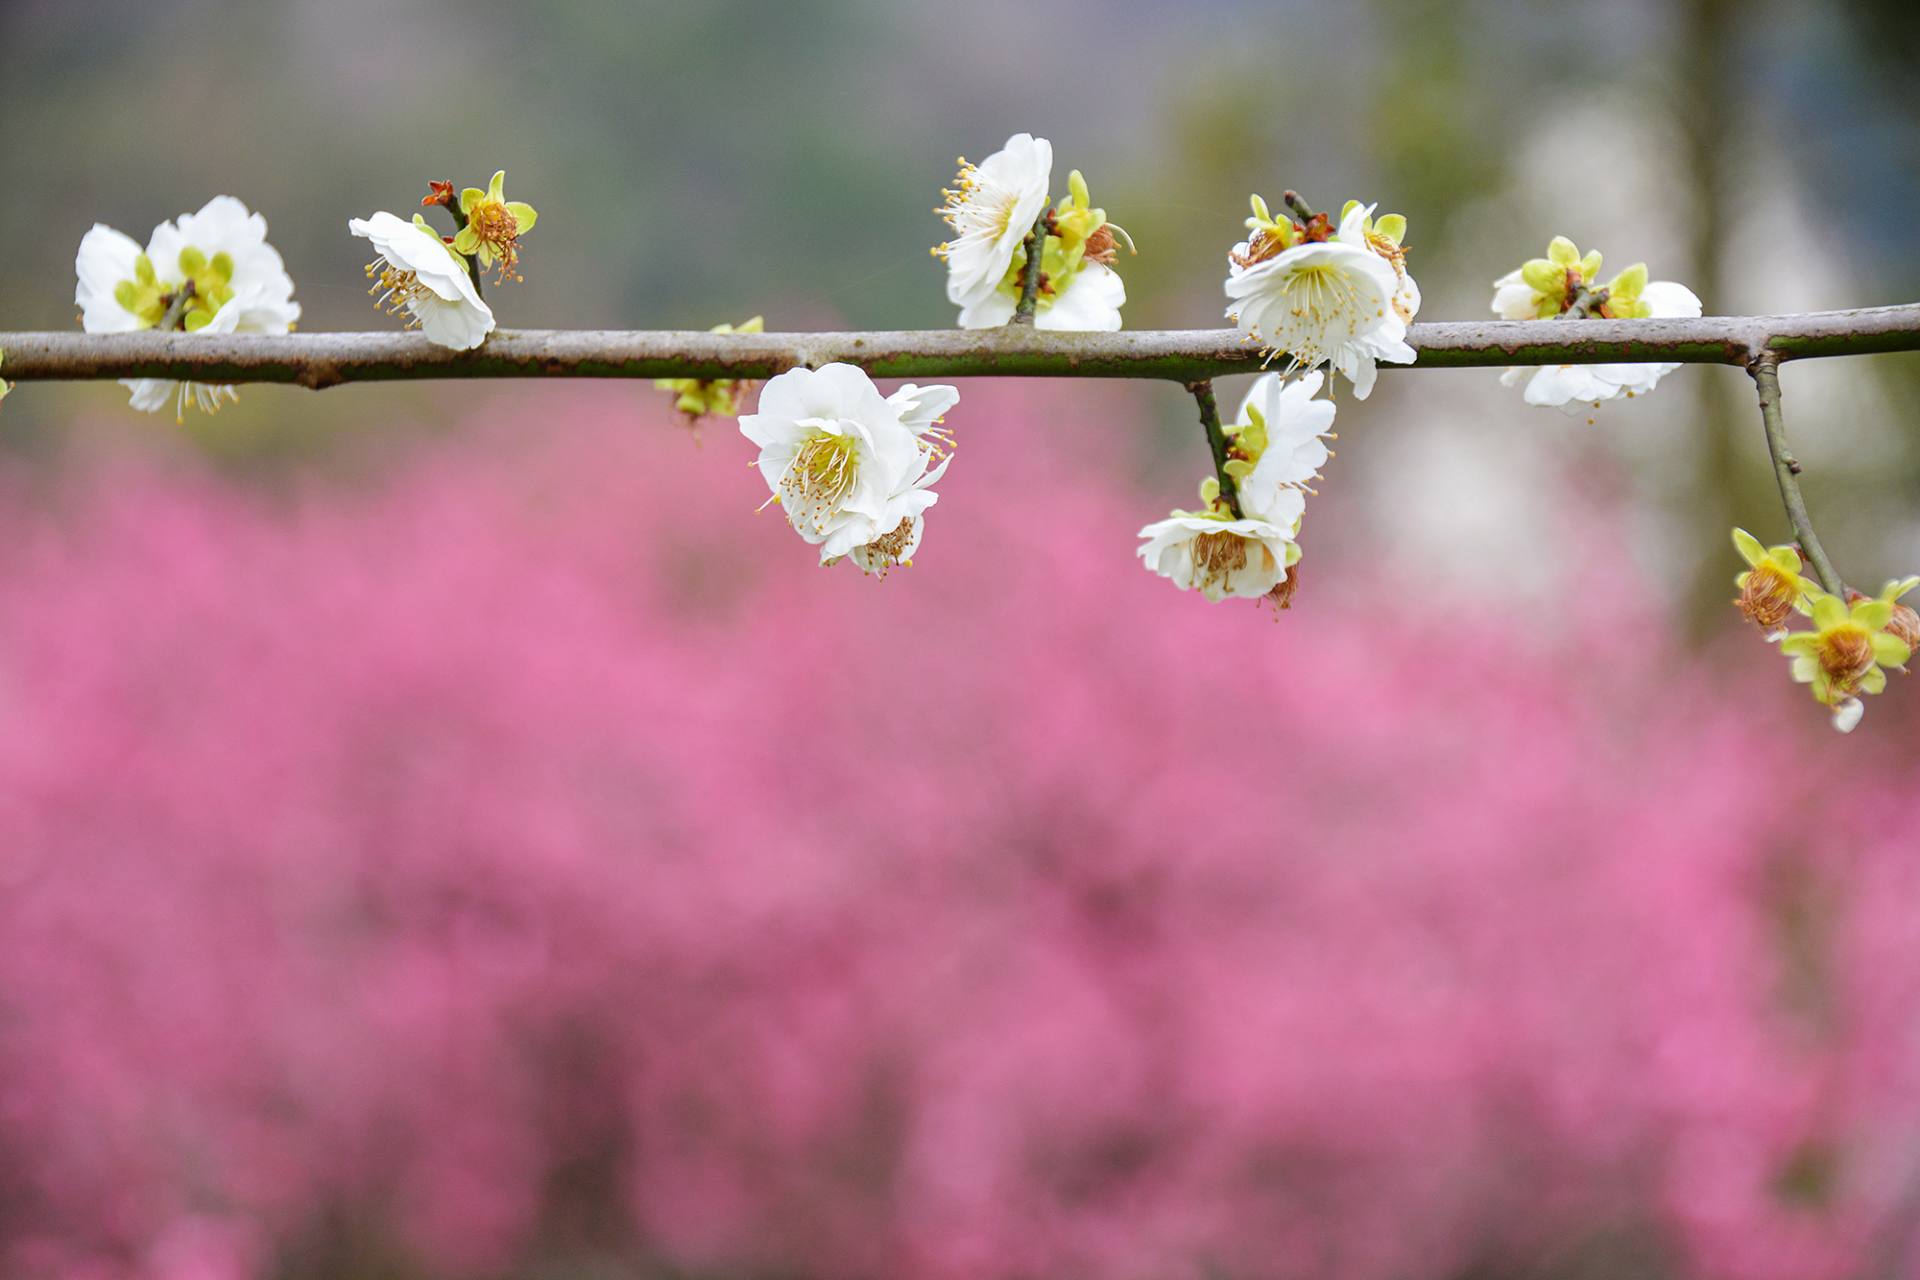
column 1323, row 295
column 1566, row 283
column 993, row 207
column 853, row 470
column 213, row 272
column 206, row 272
column 1276, row 446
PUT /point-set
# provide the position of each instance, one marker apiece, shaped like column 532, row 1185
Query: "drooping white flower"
column 1547, row 287
column 206, row 272
column 1317, row 300
column 852, row 471
column 1088, row 301
column 1289, row 429
column 1218, row 556
column 418, row 272
column 992, row 207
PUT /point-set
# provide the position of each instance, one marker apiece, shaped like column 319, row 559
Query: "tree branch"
column 1216, row 441
column 1786, row 471
column 1180, row 355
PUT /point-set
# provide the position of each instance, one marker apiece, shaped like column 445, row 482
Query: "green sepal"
column 1545, row 277
column 1628, row 284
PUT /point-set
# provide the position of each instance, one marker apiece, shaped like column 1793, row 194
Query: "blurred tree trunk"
column 1708, row 90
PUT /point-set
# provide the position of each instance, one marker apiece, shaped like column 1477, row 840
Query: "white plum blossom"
column 1356, row 360
column 1545, row 288
column 852, row 471
column 1319, row 301
column 206, row 272
column 417, row 271
column 1295, row 427
column 992, row 208
column 1219, row 556
column 1088, row 301
column 1576, row 388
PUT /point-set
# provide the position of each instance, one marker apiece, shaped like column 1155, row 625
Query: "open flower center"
column 395, row 290
column 1846, row 654
column 889, row 549
column 1322, row 299
column 1766, row 600
column 199, row 287
column 1218, row 556
column 1904, row 626
column 976, row 208
column 495, row 226
column 820, row 477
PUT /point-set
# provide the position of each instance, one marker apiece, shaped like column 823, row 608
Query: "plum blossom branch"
column 1182, row 355
column 1216, row 441
column 1765, row 369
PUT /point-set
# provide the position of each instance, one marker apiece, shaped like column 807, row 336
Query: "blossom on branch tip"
column 852, row 471
column 1323, row 296
column 1772, row 588
column 1565, row 282
column 206, row 272
column 493, row 227
column 992, row 207
column 1842, row 657
column 720, row 397
column 420, row 273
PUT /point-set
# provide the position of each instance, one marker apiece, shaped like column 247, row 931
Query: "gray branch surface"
column 320, row 360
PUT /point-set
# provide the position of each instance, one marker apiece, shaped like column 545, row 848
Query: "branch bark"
column 1181, row 355
column 1217, row 442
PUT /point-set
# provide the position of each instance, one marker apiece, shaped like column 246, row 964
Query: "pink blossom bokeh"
column 529, row 861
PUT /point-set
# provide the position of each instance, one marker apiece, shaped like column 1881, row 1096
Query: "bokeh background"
column 443, row 833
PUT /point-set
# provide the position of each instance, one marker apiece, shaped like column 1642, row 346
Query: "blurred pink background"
column 507, row 855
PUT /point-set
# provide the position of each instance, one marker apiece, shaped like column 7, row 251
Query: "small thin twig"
column 1301, row 209
column 1216, row 441
column 1585, row 304
column 1765, row 369
column 1036, row 246
column 176, row 307
column 472, row 259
